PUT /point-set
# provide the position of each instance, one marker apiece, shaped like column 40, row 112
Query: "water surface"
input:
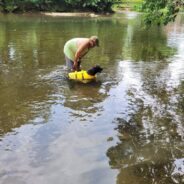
column 127, row 127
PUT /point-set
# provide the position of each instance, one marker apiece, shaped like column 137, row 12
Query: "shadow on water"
column 142, row 158
column 82, row 97
column 78, row 84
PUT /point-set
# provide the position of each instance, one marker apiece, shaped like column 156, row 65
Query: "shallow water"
column 127, row 127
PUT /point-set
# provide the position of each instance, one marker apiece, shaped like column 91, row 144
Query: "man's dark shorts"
column 69, row 64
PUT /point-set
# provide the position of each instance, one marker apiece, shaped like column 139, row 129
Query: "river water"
column 125, row 128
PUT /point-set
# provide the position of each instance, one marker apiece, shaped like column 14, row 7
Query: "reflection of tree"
column 146, row 44
column 112, row 40
column 25, row 47
column 151, row 140
column 27, row 40
column 145, row 158
column 82, row 98
column 22, row 99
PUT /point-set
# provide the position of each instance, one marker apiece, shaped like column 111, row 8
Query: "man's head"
column 94, row 41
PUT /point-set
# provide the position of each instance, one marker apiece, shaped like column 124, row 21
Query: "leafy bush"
column 161, row 11
column 94, row 5
column 45, row 5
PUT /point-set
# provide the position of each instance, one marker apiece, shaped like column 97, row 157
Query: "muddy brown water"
column 125, row 128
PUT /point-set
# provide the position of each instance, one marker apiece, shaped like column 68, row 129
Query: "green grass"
column 133, row 5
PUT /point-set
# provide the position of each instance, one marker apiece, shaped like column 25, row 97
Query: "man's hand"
column 75, row 65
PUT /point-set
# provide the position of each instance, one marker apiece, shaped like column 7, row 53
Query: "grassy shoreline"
column 134, row 5
column 129, row 5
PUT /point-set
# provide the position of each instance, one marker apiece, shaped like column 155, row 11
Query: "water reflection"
column 150, row 146
column 22, row 98
column 81, row 98
column 57, row 129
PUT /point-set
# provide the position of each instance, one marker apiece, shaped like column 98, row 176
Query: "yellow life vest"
column 81, row 76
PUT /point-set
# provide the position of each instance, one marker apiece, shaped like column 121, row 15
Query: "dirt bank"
column 57, row 14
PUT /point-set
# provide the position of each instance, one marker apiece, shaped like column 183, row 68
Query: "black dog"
column 94, row 70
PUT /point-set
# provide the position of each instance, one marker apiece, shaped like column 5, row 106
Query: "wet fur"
column 93, row 71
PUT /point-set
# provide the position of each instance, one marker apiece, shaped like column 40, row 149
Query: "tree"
column 94, row 5
column 57, row 5
column 161, row 11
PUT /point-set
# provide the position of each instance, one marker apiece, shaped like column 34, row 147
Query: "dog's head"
column 94, row 70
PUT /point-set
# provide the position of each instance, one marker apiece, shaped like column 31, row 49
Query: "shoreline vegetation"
column 155, row 11
column 69, row 7
column 125, row 6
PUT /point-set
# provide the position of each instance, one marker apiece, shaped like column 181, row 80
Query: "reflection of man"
column 76, row 48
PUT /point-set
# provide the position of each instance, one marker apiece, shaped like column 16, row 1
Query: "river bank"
column 69, row 14
column 64, row 9
column 72, row 14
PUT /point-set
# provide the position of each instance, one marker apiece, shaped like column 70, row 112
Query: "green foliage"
column 135, row 5
column 51, row 5
column 94, row 5
column 9, row 5
column 161, row 11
